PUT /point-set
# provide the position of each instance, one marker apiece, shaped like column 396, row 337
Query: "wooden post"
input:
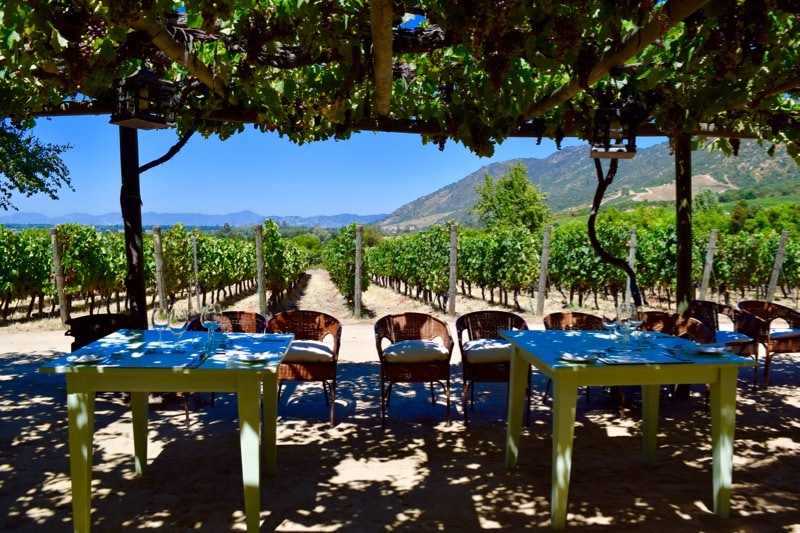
column 357, row 285
column 196, row 274
column 543, row 271
column 684, row 292
column 712, row 243
column 131, row 205
column 159, row 253
column 451, row 297
column 777, row 267
column 631, row 263
column 262, row 292
column 59, row 275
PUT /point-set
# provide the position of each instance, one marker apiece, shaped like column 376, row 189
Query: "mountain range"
column 567, row 178
column 190, row 220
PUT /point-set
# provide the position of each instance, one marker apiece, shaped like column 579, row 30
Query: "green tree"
column 512, row 202
column 28, row 166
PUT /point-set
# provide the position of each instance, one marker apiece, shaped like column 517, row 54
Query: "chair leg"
column 465, row 398
column 386, row 390
column 447, row 399
column 528, row 392
column 546, row 389
column 333, row 399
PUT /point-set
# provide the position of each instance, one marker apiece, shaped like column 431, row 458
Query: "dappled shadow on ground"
column 417, row 474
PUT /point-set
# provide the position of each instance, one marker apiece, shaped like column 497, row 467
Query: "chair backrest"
column 307, row 326
column 411, row 326
column 708, row 313
column 89, row 328
column 678, row 325
column 769, row 311
column 487, row 324
column 236, row 322
column 573, row 320
column 754, row 327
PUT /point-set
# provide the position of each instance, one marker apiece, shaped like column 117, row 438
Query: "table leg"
column 269, row 438
column 650, row 398
column 139, row 413
column 80, row 417
column 723, row 421
column 248, row 398
column 565, row 401
column 516, row 401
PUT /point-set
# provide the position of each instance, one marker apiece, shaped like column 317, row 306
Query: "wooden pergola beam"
column 162, row 39
column 381, row 17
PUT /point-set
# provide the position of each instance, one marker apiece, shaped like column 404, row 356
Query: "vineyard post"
column 631, row 262
column 159, row 254
column 357, row 286
column 262, row 294
column 59, row 275
column 451, row 299
column 196, row 273
column 543, row 271
column 777, row 267
column 712, row 242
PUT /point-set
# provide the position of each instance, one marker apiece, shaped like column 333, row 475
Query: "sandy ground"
column 418, row 475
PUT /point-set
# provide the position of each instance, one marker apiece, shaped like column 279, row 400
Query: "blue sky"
column 260, row 172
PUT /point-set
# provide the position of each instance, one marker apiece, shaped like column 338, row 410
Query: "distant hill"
column 569, row 179
column 190, row 220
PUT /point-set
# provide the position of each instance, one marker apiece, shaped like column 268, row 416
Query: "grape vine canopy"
column 475, row 72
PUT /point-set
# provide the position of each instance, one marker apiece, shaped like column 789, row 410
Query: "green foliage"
column 512, row 201
column 476, row 73
column 340, row 260
column 28, row 166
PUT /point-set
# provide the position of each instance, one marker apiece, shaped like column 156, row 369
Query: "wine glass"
column 160, row 321
column 635, row 321
column 178, row 324
column 209, row 318
column 624, row 316
column 611, row 326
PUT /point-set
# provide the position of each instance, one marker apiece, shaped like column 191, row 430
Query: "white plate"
column 83, row 359
column 710, row 350
column 251, row 357
column 575, row 358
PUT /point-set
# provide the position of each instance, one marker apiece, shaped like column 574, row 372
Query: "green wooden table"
column 134, row 361
column 662, row 360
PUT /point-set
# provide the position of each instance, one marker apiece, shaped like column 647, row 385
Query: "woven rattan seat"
column 236, row 322
column 471, row 330
column 89, row 328
column 780, row 330
column 677, row 325
column 314, row 333
column 747, row 328
column 427, row 363
column 571, row 320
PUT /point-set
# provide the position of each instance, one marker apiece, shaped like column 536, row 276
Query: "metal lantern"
column 614, row 134
column 145, row 102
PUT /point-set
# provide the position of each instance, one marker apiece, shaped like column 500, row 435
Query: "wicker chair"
column 233, row 322
column 89, row 328
column 571, row 320
column 314, row 352
column 677, row 325
column 413, row 348
column 236, row 322
column 776, row 340
column 485, row 357
column 748, row 329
